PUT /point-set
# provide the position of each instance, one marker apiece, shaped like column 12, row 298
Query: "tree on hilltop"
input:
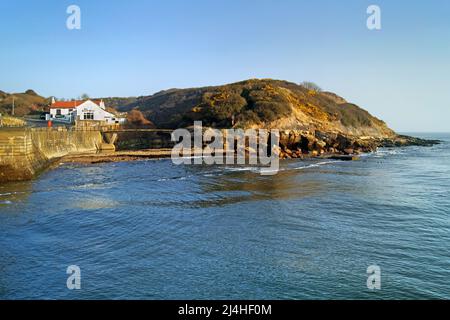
column 311, row 86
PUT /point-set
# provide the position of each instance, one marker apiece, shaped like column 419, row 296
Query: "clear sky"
column 400, row 73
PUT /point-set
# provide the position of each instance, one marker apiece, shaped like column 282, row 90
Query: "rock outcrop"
column 298, row 144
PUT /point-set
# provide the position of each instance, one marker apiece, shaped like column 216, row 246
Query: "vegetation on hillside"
column 249, row 103
column 28, row 102
column 136, row 119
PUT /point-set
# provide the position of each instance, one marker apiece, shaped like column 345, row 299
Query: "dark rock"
column 349, row 151
column 342, row 142
column 296, row 143
column 344, row 157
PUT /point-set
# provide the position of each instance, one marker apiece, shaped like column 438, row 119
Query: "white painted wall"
column 84, row 112
column 65, row 116
column 98, row 112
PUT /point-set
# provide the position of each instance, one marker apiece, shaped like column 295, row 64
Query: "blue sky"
column 137, row 47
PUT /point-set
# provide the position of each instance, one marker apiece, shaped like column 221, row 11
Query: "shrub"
column 221, row 107
column 270, row 110
column 248, row 116
column 135, row 118
column 268, row 103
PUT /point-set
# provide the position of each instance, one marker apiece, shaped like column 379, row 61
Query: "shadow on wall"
column 25, row 152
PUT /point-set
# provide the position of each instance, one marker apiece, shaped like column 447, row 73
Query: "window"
column 58, row 112
column 89, row 116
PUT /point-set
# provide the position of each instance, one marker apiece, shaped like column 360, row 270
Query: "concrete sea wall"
column 25, row 152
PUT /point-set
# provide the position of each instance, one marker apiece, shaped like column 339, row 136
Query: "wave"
column 213, row 174
column 253, row 169
column 172, row 178
column 315, row 165
column 257, row 169
column 384, row 152
column 242, row 169
column 11, row 193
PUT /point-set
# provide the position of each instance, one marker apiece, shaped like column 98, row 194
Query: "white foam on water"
column 388, row 152
column 254, row 169
column 318, row 164
column 173, row 179
column 258, row 169
column 213, row 175
column 10, row 193
column 242, row 169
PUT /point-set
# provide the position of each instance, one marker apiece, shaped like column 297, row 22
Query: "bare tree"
column 311, row 86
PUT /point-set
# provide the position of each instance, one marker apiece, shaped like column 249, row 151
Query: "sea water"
column 153, row 230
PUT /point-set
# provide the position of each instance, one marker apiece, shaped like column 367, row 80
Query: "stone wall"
column 25, row 152
column 141, row 140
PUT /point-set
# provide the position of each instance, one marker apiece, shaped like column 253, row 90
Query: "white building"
column 81, row 110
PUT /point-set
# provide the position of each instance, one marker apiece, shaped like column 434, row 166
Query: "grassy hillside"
column 28, row 102
column 258, row 103
column 255, row 103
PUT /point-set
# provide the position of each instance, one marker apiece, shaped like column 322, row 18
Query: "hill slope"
column 259, row 103
column 25, row 103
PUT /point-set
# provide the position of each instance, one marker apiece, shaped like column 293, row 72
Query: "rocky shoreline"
column 34, row 151
column 300, row 144
column 118, row 156
column 293, row 145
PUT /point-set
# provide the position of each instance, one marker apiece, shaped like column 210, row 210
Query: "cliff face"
column 260, row 104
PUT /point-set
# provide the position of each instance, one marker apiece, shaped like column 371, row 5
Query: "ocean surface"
column 153, row 230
